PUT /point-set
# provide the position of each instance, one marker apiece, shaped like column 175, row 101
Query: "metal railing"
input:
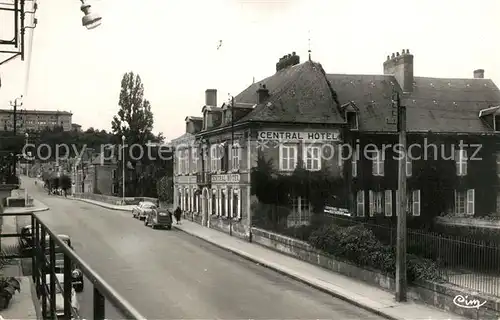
column 465, row 261
column 45, row 244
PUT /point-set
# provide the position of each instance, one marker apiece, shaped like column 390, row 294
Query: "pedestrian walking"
column 177, row 215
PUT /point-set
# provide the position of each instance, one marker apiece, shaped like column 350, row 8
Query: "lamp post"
column 90, row 20
column 123, row 169
column 15, row 104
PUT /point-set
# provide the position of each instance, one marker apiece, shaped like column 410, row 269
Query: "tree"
column 134, row 121
column 65, row 183
column 165, row 187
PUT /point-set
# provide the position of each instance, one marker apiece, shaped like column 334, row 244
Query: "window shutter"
column 457, row 162
column 238, row 208
column 218, row 209
column 470, row 202
column 409, row 167
column 381, row 163
column 231, row 200
column 372, row 205
column 375, row 165
column 464, row 163
column 416, row 202
column 388, row 203
column 354, row 165
column 360, row 203
column 397, row 203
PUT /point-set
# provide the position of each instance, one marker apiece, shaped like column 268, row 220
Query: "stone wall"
column 114, row 200
column 435, row 294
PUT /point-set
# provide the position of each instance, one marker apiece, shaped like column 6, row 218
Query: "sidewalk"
column 127, row 208
column 356, row 292
column 37, row 207
column 353, row 291
column 22, row 303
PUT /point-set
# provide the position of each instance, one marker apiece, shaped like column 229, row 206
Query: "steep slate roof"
column 298, row 93
column 436, row 104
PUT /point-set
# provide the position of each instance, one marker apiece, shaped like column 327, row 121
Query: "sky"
column 172, row 45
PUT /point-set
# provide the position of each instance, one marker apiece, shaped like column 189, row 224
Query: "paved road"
column 171, row 275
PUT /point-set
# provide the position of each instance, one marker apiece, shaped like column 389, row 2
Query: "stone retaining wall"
column 435, row 294
column 114, row 200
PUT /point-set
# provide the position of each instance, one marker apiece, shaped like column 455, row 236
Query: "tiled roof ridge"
column 334, row 94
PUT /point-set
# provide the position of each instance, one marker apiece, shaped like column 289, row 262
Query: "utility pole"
column 401, row 281
column 15, row 104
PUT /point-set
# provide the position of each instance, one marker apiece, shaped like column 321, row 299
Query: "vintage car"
column 143, row 209
column 76, row 274
column 60, row 298
column 26, row 240
column 159, row 218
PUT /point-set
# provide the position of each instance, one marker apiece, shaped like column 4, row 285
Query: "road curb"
column 296, row 277
column 101, row 205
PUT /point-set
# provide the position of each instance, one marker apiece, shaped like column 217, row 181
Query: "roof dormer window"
column 352, row 119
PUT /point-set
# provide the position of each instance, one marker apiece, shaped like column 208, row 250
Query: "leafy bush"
column 65, row 182
column 8, row 287
column 165, row 189
column 359, row 245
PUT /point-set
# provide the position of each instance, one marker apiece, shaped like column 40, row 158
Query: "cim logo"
column 464, row 302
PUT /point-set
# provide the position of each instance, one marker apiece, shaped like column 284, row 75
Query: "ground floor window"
column 223, row 201
column 376, row 202
column 235, row 203
column 465, row 202
column 412, row 202
column 213, row 202
column 301, row 212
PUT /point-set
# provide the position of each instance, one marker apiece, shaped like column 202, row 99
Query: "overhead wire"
column 30, row 54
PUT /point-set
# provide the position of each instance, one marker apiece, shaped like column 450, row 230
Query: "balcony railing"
column 203, row 178
column 43, row 255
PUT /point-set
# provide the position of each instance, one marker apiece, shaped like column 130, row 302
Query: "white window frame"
column 354, row 164
column 233, row 192
column 461, row 162
column 289, row 159
column 376, row 199
column 415, row 203
column 469, row 202
column 180, row 161
column 388, row 203
column 213, row 158
column 194, row 159
column 360, row 203
column 235, row 157
column 309, row 155
column 186, row 160
column 378, row 163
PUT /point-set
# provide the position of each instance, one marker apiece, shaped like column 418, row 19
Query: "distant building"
column 35, row 120
column 76, row 127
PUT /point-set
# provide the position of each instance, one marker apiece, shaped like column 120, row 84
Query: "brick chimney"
column 479, row 74
column 401, row 66
column 211, row 97
column 262, row 94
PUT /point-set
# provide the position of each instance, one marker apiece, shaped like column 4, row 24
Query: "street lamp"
column 26, row 135
column 123, row 168
column 91, row 19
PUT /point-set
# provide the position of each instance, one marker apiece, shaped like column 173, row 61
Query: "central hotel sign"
column 299, row 136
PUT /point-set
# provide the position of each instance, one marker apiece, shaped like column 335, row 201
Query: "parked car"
column 76, row 273
column 159, row 218
column 143, row 209
column 60, row 298
column 26, row 240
